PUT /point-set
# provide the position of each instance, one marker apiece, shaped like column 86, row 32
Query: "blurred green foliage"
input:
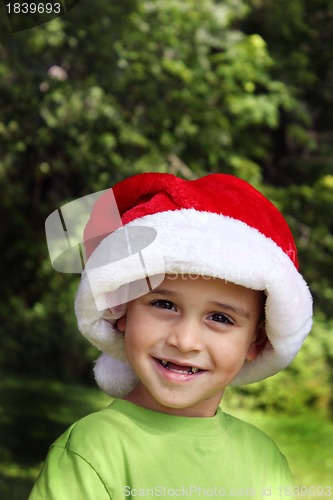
column 111, row 89
column 33, row 413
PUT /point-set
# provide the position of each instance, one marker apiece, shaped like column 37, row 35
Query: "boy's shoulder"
column 256, row 442
column 90, row 427
column 240, row 428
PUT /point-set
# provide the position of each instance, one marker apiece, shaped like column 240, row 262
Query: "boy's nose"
column 186, row 336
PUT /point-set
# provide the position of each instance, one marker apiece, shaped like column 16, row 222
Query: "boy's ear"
column 121, row 324
column 258, row 343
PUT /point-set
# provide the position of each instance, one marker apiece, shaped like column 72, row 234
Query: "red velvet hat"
column 218, row 226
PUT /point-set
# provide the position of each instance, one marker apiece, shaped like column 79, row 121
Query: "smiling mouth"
column 174, row 367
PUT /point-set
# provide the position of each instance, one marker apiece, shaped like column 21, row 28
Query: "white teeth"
column 194, row 369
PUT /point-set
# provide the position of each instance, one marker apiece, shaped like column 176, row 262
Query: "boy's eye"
column 164, row 304
column 220, row 318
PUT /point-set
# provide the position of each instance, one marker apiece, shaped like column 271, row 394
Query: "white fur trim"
column 209, row 244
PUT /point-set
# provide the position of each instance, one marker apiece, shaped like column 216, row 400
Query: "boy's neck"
column 139, row 397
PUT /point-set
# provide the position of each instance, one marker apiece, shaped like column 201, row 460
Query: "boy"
column 210, row 296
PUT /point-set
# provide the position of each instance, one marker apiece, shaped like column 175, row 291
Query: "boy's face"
column 187, row 340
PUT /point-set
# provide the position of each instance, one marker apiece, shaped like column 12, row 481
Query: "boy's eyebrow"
column 236, row 309
column 161, row 291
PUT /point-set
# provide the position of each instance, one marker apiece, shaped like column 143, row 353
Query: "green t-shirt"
column 127, row 451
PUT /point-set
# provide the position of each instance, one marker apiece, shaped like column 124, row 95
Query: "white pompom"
column 113, row 376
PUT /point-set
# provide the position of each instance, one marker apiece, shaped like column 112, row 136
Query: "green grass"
column 34, row 413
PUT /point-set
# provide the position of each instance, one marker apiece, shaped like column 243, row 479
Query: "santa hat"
column 218, row 226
